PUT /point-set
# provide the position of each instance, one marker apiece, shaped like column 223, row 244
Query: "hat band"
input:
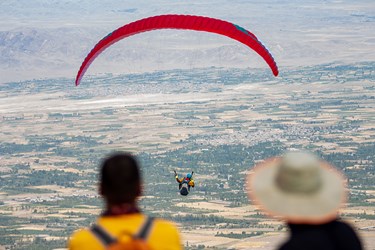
column 299, row 186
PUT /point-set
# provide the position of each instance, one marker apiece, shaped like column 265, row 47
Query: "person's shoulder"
column 165, row 235
column 80, row 238
column 348, row 234
column 80, row 233
column 164, row 224
column 307, row 240
column 343, row 228
column 340, row 224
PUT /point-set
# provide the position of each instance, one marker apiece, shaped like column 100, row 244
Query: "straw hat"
column 298, row 187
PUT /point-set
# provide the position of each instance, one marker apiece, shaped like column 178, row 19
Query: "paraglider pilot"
column 185, row 183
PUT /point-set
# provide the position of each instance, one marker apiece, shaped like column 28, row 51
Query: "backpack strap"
column 106, row 239
column 145, row 230
column 102, row 235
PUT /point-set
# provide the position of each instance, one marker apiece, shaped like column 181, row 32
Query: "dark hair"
column 120, row 179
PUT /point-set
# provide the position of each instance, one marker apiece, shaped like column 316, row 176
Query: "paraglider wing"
column 198, row 23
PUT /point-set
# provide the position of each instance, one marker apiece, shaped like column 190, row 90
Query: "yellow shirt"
column 163, row 234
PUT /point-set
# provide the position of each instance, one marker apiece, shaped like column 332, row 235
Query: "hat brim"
column 318, row 207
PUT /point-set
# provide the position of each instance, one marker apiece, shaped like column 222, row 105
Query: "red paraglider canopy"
column 198, row 23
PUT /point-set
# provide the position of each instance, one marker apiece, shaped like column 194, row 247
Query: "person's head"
column 120, row 179
column 297, row 187
column 188, row 176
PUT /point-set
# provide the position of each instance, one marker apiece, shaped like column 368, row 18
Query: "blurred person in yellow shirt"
column 122, row 223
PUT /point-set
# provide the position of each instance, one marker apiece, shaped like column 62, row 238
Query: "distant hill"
column 40, row 39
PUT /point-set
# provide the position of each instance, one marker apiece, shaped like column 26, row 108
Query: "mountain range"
column 44, row 38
